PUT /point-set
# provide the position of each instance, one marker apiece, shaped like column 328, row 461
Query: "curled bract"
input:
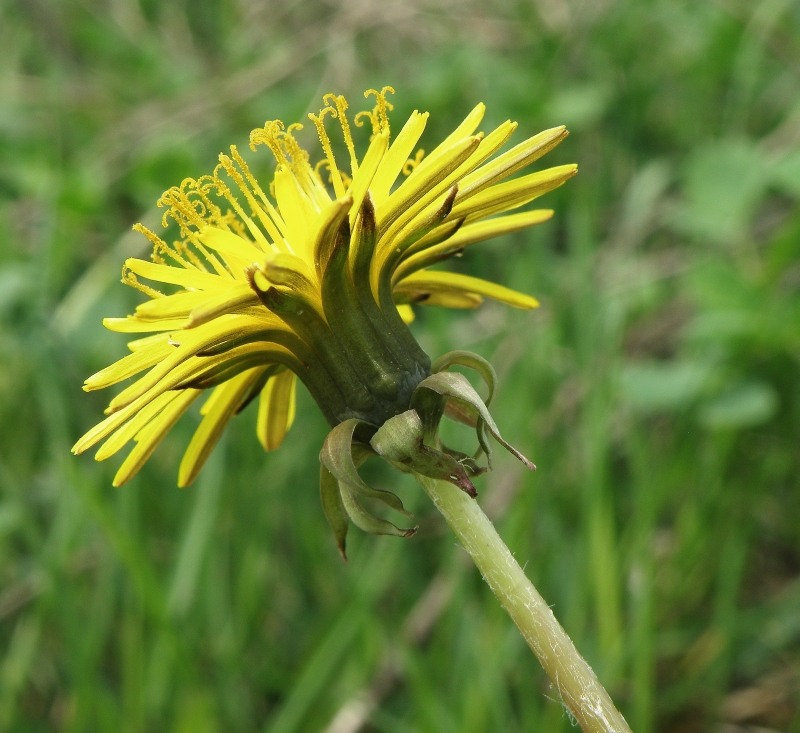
column 410, row 442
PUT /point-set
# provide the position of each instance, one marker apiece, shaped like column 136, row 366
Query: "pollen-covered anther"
column 294, row 151
column 269, row 135
column 340, row 103
column 330, row 159
column 187, row 212
column 378, row 115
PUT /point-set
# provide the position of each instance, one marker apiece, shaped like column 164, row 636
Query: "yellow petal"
column 238, row 253
column 231, row 302
column 225, row 401
column 126, row 367
column 182, row 363
column 511, row 161
column 421, row 188
column 487, row 147
column 511, row 194
column 190, row 279
column 446, row 299
column 467, row 126
column 147, row 342
column 178, row 305
column 297, row 210
column 117, row 440
column 367, row 169
column 396, row 157
column 328, row 227
column 294, row 275
column 276, row 409
column 198, row 306
column 406, row 313
column 132, row 324
column 429, row 281
column 420, row 255
column 150, row 436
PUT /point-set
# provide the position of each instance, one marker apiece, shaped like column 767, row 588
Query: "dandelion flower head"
column 310, row 277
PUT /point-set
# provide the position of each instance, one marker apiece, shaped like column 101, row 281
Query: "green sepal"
column 429, row 407
column 456, row 387
column 332, row 228
column 337, row 459
column 333, row 507
column 460, row 412
column 363, row 489
column 366, row 521
column 362, row 247
column 383, row 314
column 400, row 440
column 483, row 440
column 366, row 340
column 471, row 361
column 354, row 328
column 398, row 437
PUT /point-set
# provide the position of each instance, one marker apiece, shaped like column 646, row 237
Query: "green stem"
column 578, row 686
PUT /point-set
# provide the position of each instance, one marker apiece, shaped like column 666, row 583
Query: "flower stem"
column 578, row 686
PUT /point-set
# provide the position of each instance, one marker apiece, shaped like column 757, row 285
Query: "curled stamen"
column 269, row 135
column 165, row 200
column 301, row 171
column 206, row 183
column 380, row 113
column 187, row 213
column 184, row 251
column 296, row 156
column 368, row 113
column 253, row 183
column 160, row 248
column 324, row 163
column 412, row 163
column 335, row 176
column 206, row 207
column 130, row 279
column 226, row 164
column 341, row 114
column 152, row 237
column 270, row 222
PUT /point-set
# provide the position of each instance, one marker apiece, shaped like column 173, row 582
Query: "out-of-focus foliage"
column 657, row 388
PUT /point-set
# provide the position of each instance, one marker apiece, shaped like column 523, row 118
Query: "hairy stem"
column 578, row 686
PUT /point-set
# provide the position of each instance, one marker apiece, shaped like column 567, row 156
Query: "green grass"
column 657, row 388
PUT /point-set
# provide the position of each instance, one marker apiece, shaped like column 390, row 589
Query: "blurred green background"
column 657, row 387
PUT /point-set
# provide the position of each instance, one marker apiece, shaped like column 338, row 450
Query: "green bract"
column 410, row 442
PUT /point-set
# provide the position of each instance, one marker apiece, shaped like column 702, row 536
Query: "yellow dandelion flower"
column 311, row 277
